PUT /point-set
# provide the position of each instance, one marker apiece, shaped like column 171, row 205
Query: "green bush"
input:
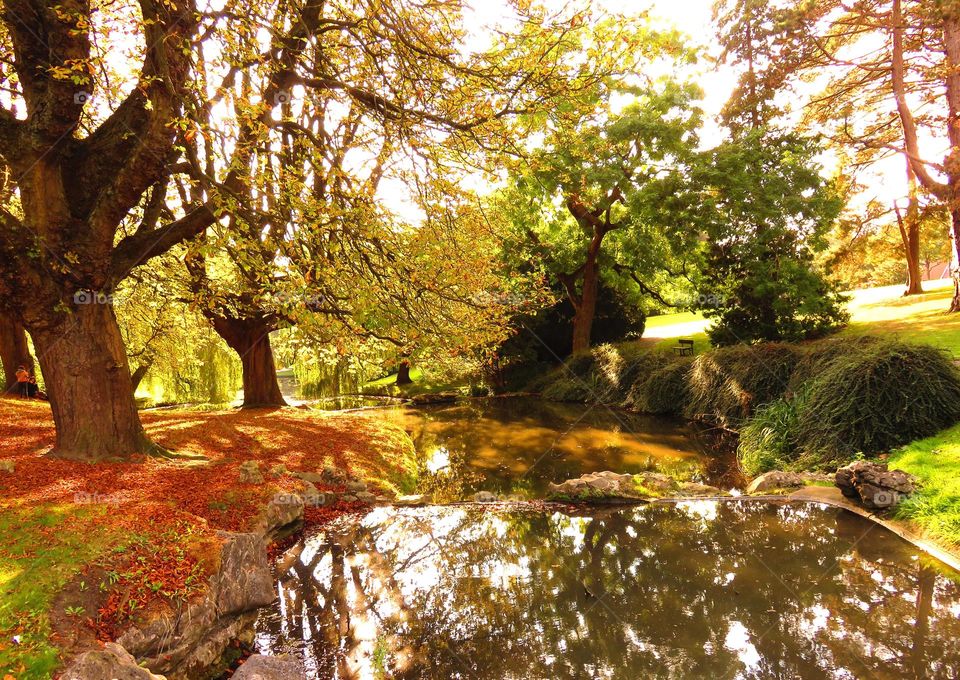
column 662, row 391
column 885, row 395
column 728, row 384
column 602, row 375
column 816, row 357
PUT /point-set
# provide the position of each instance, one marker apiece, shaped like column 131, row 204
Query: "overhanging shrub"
column 664, row 390
column 602, row 375
column 885, row 395
column 816, row 357
column 726, row 385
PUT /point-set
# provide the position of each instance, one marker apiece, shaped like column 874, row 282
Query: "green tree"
column 586, row 204
column 765, row 208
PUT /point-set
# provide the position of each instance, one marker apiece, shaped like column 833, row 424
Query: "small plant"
column 75, row 610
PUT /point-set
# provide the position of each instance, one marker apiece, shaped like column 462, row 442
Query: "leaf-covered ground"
column 85, row 548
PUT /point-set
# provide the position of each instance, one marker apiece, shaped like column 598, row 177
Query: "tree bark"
column 88, row 383
column 138, row 375
column 403, row 373
column 250, row 338
column 909, row 226
column 587, row 307
column 14, row 351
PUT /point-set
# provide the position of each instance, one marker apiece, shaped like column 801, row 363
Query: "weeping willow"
column 324, row 373
column 208, row 373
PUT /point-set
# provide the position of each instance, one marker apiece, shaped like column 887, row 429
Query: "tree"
column 765, row 209
column 14, row 351
column 61, row 244
column 583, row 205
column 893, row 76
column 69, row 234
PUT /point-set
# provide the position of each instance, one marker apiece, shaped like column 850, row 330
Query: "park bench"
column 684, row 347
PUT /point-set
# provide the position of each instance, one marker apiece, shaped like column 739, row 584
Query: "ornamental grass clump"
column 768, row 439
column 664, row 390
column 727, row 385
column 887, row 394
column 602, row 375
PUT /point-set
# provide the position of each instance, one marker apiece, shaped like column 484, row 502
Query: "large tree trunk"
column 585, row 306
column 88, row 383
column 14, row 351
column 403, row 373
column 250, row 338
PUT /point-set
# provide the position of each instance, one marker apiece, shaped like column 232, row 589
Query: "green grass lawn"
column 936, row 462
column 873, row 311
column 919, row 318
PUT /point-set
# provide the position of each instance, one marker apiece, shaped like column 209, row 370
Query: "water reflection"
column 518, row 445
column 702, row 589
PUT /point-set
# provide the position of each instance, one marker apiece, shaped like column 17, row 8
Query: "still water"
column 517, row 446
column 702, row 589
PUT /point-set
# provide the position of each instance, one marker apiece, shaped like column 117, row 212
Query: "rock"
column 435, row 398
column 250, row 472
column 484, row 497
column 332, row 475
column 7, row 465
column 695, row 489
column 366, row 497
column 315, row 498
column 113, row 662
column 356, row 485
column 260, row 667
column 775, row 479
column 283, row 510
column 873, row 485
column 279, row 470
column 412, row 499
column 656, row 481
column 604, row 484
column 348, row 498
column 186, row 644
column 310, row 477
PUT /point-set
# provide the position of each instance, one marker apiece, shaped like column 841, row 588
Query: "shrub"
column 817, row 356
column 662, row 391
column 887, row 394
column 726, row 385
column 602, row 375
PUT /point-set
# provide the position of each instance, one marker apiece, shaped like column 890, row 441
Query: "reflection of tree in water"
column 702, row 590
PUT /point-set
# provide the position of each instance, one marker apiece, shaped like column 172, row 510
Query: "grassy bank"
column 150, row 526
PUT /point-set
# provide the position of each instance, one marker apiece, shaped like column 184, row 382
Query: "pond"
column 742, row 589
column 516, row 446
